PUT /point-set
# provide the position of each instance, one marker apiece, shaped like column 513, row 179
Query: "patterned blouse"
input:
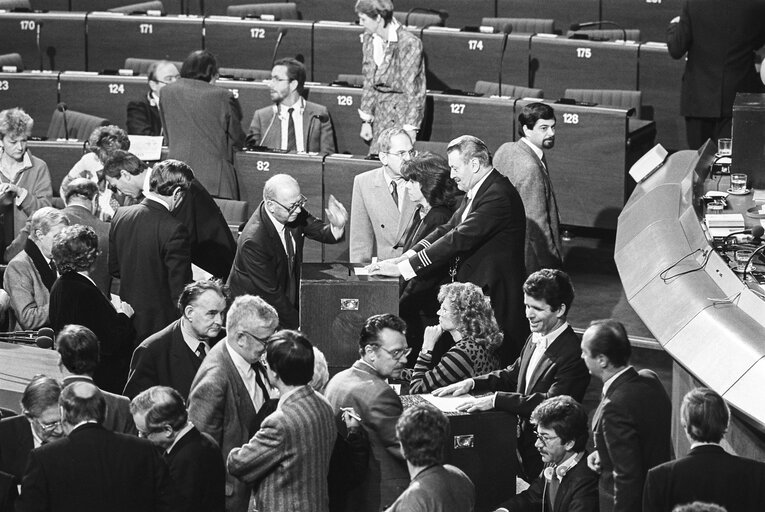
column 464, row 360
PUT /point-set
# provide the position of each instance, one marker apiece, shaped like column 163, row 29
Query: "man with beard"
column 524, row 164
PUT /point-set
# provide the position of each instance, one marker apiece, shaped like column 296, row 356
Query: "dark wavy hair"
column 200, row 65
column 431, row 171
column 75, row 248
column 473, row 313
column 422, row 431
column 566, row 417
column 105, row 140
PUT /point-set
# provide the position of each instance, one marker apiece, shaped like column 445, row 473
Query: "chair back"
column 514, row 91
column 630, row 100
column 280, row 11
column 12, row 59
column 79, row 126
column 142, row 7
column 520, row 25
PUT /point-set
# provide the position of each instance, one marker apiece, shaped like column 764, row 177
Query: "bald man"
column 270, row 249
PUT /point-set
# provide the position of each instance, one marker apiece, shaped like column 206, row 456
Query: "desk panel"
column 249, row 43
column 61, row 37
column 564, row 12
column 461, row 12
column 336, row 50
column 113, row 37
column 343, row 104
column 515, row 62
column 36, row 93
column 651, row 17
column 456, row 60
column 558, row 63
column 251, row 96
column 101, row 95
column 660, row 78
column 60, row 157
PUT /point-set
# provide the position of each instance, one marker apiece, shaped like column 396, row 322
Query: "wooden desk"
column 18, row 364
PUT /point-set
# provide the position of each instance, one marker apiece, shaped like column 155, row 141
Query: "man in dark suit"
column 230, row 393
column 172, row 356
column 79, row 351
column 708, row 473
column 524, row 164
column 81, row 198
column 383, row 350
column 566, row 482
column 270, row 249
column 38, row 424
column 720, row 40
column 93, row 469
column 143, row 115
column 483, row 242
column 291, row 123
column 203, row 124
column 149, row 249
column 632, row 424
column 287, row 460
column 211, row 241
column 192, row 457
column 549, row 365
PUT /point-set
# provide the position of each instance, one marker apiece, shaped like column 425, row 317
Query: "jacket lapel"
column 180, row 360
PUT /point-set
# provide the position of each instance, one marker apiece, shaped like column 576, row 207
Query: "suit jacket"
column 197, row 471
column 220, row 406
column 29, row 296
column 366, row 391
column 288, row 458
column 440, row 488
column 261, row 266
column 560, row 371
column 149, row 252
column 118, row 417
column 16, row 442
column 376, row 222
column 74, row 299
column 35, row 178
column 528, row 174
column 143, row 117
column 577, row 492
column 720, row 39
column 266, row 129
column 487, row 249
column 631, row 430
column 100, row 275
column 94, row 469
column 708, row 474
column 203, row 126
column 163, row 359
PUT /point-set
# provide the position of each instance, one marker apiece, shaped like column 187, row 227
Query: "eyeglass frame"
column 145, row 434
column 544, row 438
column 300, row 203
column 404, row 351
column 46, row 427
column 262, row 341
column 411, row 152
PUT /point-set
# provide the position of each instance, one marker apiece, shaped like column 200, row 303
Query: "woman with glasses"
column 466, row 315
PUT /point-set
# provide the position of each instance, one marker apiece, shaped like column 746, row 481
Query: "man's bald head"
column 281, row 193
column 82, row 401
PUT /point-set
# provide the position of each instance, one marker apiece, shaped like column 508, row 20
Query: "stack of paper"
column 723, row 224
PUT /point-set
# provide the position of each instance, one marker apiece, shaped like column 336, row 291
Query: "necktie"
column 201, row 351
column 258, row 368
column 394, row 191
column 291, row 140
column 290, row 246
column 53, row 266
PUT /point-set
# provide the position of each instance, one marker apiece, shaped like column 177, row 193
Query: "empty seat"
column 280, row 11
column 247, row 74
column 12, row 59
column 609, row 98
column 142, row 7
column 141, row 66
column 352, row 80
column 9, row 5
column 514, row 91
column 608, row 34
column 520, row 25
column 79, row 126
column 421, row 17
column 235, row 213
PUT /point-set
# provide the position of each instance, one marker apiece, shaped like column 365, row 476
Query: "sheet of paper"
column 145, row 147
column 361, row 271
column 448, row 403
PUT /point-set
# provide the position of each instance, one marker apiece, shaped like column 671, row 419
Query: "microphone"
column 279, row 37
column 757, row 232
column 44, row 342
column 38, row 30
column 585, row 24
column 323, row 118
column 62, row 107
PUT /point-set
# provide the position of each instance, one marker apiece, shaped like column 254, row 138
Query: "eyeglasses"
column 170, row 79
column 277, row 79
column 297, row 204
column 47, row 427
column 398, row 353
column 401, row 154
column 545, row 438
column 146, row 433
column 262, row 341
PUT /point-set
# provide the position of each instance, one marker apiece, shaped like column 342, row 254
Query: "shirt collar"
column 389, row 177
column 607, row 384
column 547, row 339
column 26, row 161
column 700, row 443
column 299, row 106
column 185, row 430
column 392, row 32
column 191, row 341
column 474, row 189
column 569, row 463
column 86, row 276
column 533, row 147
column 278, row 225
column 241, row 364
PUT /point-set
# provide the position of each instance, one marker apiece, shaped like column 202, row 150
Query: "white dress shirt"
column 297, row 117
column 248, row 377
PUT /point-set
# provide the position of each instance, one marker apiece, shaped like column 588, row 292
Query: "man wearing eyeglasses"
column 291, row 123
column 380, row 207
column 231, row 393
column 143, row 115
column 270, row 249
column 383, row 350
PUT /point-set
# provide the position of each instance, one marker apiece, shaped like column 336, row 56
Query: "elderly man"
column 270, row 249
column 143, row 115
column 172, row 356
column 93, row 469
column 193, row 457
column 383, row 351
column 231, row 386
column 288, row 458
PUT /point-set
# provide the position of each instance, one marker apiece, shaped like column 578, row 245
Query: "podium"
column 335, row 303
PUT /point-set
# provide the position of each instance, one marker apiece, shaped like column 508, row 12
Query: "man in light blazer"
column 380, row 206
column 287, row 460
column 230, row 392
column 310, row 129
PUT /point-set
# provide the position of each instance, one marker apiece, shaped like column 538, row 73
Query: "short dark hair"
column 290, row 356
column 471, row 147
column 532, row 113
column 193, row 290
column 432, row 172
column 552, row 286
column 41, row 393
column 82, row 187
column 566, row 417
column 82, row 401
column 375, row 8
column 200, row 65
column 422, row 431
column 295, row 71
column 105, row 140
column 79, row 349
column 705, row 415
column 699, row 506
column 123, row 160
column 370, row 332
column 168, row 175
column 610, row 339
column 161, row 405
column 75, row 248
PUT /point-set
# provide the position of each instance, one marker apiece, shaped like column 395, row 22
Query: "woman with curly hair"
column 75, row 299
column 467, row 316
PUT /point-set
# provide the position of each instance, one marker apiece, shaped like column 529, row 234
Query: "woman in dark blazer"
column 75, row 299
